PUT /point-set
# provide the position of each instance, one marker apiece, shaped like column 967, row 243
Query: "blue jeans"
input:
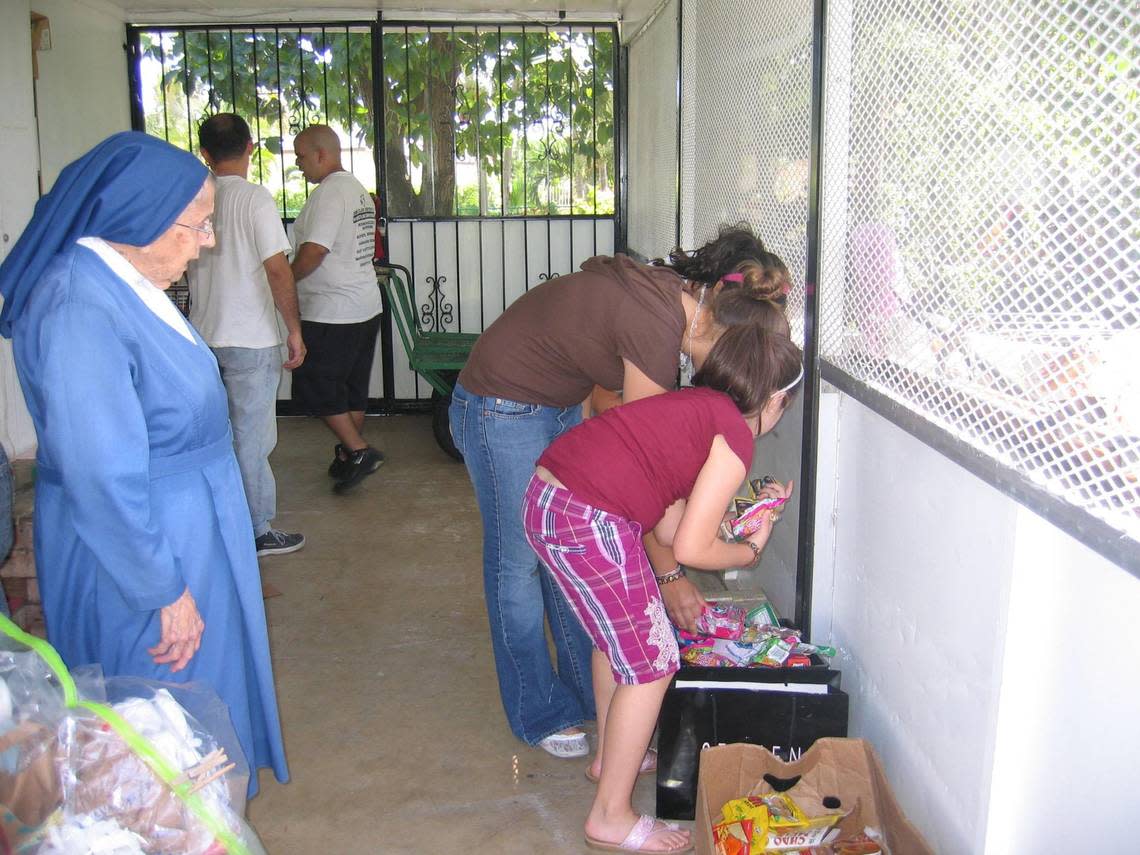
column 500, row 441
column 251, row 375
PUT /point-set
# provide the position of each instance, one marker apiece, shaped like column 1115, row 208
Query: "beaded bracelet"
column 672, row 576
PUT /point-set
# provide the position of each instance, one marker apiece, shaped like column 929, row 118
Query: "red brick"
column 24, row 532
column 21, row 564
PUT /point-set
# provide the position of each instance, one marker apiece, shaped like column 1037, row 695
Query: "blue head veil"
column 128, row 189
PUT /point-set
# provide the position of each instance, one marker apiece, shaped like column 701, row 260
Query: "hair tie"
column 733, row 277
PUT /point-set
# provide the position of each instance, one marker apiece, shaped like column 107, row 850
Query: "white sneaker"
column 566, row 745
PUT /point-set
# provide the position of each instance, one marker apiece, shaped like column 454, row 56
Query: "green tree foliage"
column 476, row 121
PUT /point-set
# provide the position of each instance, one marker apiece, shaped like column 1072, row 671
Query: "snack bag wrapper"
column 733, row 837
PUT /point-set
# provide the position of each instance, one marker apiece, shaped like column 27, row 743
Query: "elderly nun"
column 144, row 547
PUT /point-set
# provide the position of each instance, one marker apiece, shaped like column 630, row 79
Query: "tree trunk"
column 402, row 199
column 508, row 163
column 441, row 107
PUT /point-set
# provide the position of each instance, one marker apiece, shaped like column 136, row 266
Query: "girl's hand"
column 684, row 603
column 769, row 518
column 775, row 490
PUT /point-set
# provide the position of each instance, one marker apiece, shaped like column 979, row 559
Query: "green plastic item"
column 145, row 751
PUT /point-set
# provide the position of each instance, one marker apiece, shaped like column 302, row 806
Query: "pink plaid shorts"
column 597, row 560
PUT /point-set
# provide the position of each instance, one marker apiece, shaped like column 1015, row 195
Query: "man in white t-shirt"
column 236, row 290
column 335, row 237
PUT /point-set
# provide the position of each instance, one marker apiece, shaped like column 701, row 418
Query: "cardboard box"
column 844, row 768
column 783, row 709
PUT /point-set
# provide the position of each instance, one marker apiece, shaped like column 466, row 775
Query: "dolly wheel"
column 441, row 424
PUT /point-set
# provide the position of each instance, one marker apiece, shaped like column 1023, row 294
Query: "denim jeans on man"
column 251, row 375
column 500, row 441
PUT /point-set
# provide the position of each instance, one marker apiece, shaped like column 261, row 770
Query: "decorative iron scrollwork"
column 436, row 313
column 543, row 277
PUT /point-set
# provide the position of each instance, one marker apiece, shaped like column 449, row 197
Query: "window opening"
column 281, row 79
column 980, row 244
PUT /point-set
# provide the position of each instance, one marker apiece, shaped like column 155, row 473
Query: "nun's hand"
column 182, row 629
column 683, row 602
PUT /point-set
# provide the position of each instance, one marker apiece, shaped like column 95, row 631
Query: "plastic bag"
column 117, row 766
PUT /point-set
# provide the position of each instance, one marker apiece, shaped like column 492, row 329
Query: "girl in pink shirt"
column 669, row 464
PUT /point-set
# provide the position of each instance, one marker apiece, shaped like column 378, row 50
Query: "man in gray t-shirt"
column 334, row 240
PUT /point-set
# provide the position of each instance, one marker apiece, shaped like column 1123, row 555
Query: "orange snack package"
column 733, row 837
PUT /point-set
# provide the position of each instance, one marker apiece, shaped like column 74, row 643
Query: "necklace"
column 687, row 358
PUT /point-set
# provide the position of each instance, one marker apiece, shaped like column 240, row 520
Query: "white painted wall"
column 1070, row 700
column 484, row 268
column 984, row 650
column 81, row 94
column 18, row 193
column 82, row 98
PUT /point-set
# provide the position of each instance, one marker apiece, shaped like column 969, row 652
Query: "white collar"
column 153, row 297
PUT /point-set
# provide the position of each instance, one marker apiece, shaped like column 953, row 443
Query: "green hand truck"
column 438, row 357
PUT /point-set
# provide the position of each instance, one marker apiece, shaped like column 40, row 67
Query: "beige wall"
column 18, row 160
column 81, row 95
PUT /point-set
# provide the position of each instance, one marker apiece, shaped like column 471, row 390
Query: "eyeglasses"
column 207, row 227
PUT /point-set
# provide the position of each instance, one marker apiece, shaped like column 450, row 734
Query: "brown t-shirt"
column 554, row 343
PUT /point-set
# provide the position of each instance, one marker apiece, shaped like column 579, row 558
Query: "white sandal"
column 566, row 745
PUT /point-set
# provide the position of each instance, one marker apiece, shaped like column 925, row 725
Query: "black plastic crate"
column 783, row 709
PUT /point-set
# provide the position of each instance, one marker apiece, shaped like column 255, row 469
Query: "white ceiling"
column 630, row 13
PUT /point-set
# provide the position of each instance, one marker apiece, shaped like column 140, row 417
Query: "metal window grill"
column 279, row 78
column 979, row 230
column 746, row 114
column 498, row 120
column 500, row 163
column 653, row 118
column 498, row 142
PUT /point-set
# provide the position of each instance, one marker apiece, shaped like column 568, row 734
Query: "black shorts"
column 333, row 379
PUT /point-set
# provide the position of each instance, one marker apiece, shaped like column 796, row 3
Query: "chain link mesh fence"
column 980, row 232
column 653, row 121
column 746, row 107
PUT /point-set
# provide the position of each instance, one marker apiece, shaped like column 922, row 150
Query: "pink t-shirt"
column 637, row 459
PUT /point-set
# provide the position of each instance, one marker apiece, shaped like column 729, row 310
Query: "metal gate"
column 495, row 147
column 499, row 161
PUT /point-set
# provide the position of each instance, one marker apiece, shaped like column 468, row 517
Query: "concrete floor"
column 395, row 736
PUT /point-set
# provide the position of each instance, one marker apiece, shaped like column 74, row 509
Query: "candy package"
column 750, row 521
column 763, row 614
column 814, row 650
column 703, row 656
column 783, row 812
column 718, row 620
column 816, row 832
column 753, row 811
column 779, row 824
column 721, row 620
column 773, row 652
column 733, row 837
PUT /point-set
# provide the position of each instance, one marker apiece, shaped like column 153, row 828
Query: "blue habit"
column 139, row 494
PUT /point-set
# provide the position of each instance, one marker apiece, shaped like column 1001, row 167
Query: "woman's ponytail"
column 748, row 297
column 719, row 257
